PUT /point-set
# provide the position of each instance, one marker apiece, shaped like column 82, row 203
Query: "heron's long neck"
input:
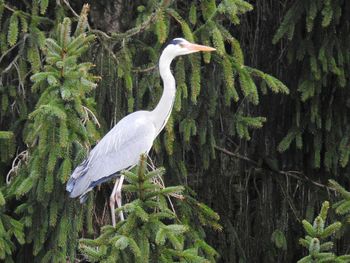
column 163, row 110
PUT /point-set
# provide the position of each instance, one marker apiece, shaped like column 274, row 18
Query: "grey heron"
column 132, row 136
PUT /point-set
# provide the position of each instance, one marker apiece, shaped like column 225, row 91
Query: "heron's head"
column 180, row 46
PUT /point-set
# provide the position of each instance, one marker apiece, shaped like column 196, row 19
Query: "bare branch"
column 23, row 156
column 70, row 8
column 292, row 174
column 87, row 111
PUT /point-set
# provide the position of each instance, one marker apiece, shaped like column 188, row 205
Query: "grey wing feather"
column 119, row 149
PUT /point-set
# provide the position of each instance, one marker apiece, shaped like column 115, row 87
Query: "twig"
column 99, row 32
column 286, row 173
column 15, row 164
column 159, row 181
column 142, row 70
column 70, row 8
column 9, row 8
column 129, row 33
column 66, row 2
column 236, row 155
column 10, row 49
column 136, row 30
column 20, row 82
column 151, row 164
column 87, row 111
column 10, row 65
column 292, row 207
column 109, row 51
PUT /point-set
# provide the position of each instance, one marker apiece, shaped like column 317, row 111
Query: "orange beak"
column 196, row 47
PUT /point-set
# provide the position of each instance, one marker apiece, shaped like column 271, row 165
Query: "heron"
column 133, row 135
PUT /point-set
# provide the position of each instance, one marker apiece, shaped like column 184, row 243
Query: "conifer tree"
column 58, row 132
column 151, row 232
column 215, row 105
column 319, row 45
column 20, row 41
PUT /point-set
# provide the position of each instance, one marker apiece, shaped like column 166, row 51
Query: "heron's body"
column 132, row 136
column 119, row 149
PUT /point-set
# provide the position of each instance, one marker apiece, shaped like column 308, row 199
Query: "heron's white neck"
column 163, row 110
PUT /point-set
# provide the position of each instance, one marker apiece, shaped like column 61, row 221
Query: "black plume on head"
column 175, row 41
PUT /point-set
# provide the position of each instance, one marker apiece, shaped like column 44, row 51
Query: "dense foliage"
column 230, row 136
column 318, row 32
column 152, row 231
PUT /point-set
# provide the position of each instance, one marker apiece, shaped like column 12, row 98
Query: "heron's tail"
column 75, row 185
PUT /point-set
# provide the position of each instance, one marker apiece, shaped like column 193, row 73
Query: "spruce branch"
column 316, row 236
column 151, row 230
column 41, row 19
column 55, row 131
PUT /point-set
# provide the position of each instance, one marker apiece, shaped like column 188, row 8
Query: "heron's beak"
column 196, row 47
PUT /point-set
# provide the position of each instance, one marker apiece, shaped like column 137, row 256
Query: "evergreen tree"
column 151, row 232
column 211, row 142
column 62, row 123
column 58, row 133
column 319, row 45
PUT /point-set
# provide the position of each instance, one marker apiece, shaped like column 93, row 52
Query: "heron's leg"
column 118, row 196
column 112, row 201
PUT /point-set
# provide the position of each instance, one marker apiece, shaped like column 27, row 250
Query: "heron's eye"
column 182, row 45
